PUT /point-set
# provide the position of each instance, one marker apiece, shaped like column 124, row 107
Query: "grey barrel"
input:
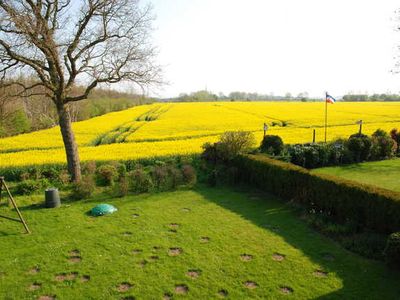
column 52, row 198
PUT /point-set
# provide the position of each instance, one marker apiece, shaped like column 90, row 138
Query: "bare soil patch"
column 181, row 289
column 124, row 287
column 320, row 273
column 47, row 297
column 175, row 251
column 286, row 290
column 85, row 278
column 278, row 256
column 250, row 285
column 193, row 273
column 204, row 239
column 174, row 225
column 223, row 293
column 35, row 286
column 246, row 257
column 32, row 271
column 75, row 259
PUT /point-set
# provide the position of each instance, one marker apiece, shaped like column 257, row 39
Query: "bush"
column 311, row 155
column 395, row 135
column 272, row 144
column 159, row 174
column 189, row 175
column 176, row 177
column 231, row 144
column 89, row 168
column 84, row 188
column 28, row 187
column 383, row 146
column 140, row 181
column 343, row 200
column 392, row 250
column 360, row 147
column 121, row 188
column 106, row 175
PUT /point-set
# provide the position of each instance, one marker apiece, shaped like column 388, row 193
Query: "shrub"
column 64, row 177
column 140, row 181
column 176, row 177
column 121, row 188
column 84, row 188
column 310, row 155
column 106, row 175
column 395, row 135
column 161, row 178
column 383, row 146
column 392, row 250
column 189, row 175
column 343, row 200
column 360, row 147
column 28, row 187
column 367, row 244
column 272, row 144
column 121, row 169
column 231, row 144
column 89, row 168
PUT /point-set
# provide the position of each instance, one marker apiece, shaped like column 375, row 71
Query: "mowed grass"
column 385, row 173
column 127, row 255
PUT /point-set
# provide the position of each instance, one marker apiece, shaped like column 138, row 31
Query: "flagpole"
column 326, row 114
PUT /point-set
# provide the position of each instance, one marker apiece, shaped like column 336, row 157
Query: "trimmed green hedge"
column 343, row 200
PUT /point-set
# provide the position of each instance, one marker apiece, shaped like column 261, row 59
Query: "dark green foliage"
column 359, row 146
column 392, row 250
column 140, row 181
column 313, row 155
column 83, row 189
column 272, row 144
column 342, row 200
column 383, row 146
column 31, row 186
column 395, row 135
column 367, row 244
column 106, row 175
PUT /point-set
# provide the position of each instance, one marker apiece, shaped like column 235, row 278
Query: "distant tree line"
column 26, row 114
column 374, row 97
column 204, row 95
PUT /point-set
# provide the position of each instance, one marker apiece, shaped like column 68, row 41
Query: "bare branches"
column 102, row 41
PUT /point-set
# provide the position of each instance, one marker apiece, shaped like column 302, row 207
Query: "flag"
column 330, row 99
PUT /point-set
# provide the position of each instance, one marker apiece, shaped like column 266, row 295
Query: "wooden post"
column 265, row 129
column 360, row 130
column 313, row 138
column 21, row 219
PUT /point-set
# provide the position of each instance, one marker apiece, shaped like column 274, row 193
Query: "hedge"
column 343, row 200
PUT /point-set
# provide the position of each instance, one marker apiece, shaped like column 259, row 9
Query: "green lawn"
column 127, row 255
column 385, row 173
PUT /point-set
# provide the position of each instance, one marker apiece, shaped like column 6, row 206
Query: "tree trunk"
column 71, row 148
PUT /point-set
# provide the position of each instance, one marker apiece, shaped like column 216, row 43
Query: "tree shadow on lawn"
column 271, row 213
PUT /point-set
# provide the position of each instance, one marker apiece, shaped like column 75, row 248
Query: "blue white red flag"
column 330, row 99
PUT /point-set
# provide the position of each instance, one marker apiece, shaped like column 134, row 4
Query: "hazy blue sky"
column 277, row 46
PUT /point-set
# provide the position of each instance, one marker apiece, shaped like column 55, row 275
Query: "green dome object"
column 102, row 209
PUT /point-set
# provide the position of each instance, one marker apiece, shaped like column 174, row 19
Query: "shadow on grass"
column 272, row 214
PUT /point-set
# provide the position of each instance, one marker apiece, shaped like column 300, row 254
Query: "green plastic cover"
column 102, row 209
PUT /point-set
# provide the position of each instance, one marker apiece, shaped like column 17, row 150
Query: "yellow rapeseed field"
column 182, row 128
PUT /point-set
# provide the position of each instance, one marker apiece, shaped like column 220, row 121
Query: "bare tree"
column 62, row 44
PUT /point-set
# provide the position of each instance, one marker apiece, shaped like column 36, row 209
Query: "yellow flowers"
column 182, row 128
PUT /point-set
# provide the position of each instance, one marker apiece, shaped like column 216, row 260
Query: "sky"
column 271, row 46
